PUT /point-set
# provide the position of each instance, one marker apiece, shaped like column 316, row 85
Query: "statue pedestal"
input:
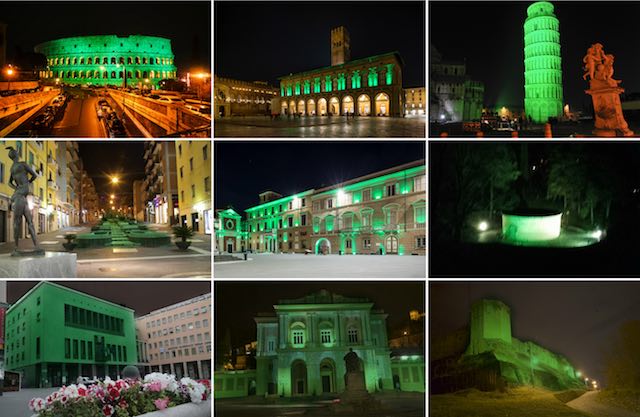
column 51, row 265
column 608, row 110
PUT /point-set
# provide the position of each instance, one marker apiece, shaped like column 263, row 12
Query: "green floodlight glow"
column 542, row 63
column 531, row 226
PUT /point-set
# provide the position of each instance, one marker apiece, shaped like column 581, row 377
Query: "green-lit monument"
column 542, row 63
column 486, row 356
column 135, row 61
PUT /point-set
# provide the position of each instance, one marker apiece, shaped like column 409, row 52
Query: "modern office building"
column 160, row 183
column 54, row 334
column 135, row 61
column 380, row 213
column 193, row 161
column 370, row 86
column 177, row 339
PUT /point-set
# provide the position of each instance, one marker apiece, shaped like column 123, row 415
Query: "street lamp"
column 115, row 180
column 10, row 73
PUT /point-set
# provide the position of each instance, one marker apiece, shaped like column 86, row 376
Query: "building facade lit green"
column 54, row 334
column 301, row 348
column 542, row 63
column 380, row 213
column 107, row 60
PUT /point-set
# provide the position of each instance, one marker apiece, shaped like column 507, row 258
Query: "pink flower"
column 161, row 403
column 64, row 399
column 108, row 410
column 123, row 404
column 82, row 392
column 114, row 393
column 155, row 386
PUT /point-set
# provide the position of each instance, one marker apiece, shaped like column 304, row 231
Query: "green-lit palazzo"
column 103, row 60
column 542, row 63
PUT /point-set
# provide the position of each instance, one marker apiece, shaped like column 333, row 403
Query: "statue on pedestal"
column 22, row 175
column 605, row 92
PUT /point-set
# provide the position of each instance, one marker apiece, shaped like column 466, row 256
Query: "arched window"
column 113, row 74
column 128, row 74
column 152, row 74
column 73, row 74
column 96, row 74
column 105, row 75
column 67, row 61
column 89, row 61
column 144, row 60
column 81, row 60
column 144, row 74
column 120, row 74
column 121, row 60
column 157, row 61
column 97, row 60
column 68, row 74
column 113, row 60
column 75, row 61
column 81, row 74
column 129, row 60
column 105, row 60
column 138, row 60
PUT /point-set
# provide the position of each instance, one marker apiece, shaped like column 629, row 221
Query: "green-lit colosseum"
column 103, row 60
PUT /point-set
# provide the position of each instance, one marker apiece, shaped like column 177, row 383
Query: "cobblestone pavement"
column 320, row 127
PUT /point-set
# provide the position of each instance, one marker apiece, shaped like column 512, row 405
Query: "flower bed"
column 121, row 398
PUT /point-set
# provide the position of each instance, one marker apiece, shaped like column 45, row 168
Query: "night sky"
column 102, row 159
column 239, row 302
column 490, row 36
column 266, row 40
column 575, row 319
column 187, row 24
column 132, row 294
column 245, row 169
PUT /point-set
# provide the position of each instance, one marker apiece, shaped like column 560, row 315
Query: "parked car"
column 171, row 99
column 43, row 120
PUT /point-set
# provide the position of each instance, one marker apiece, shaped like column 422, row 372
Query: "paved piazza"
column 392, row 405
column 320, row 127
column 315, row 266
column 16, row 404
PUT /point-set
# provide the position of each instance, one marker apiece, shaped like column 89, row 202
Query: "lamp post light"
column 10, row 71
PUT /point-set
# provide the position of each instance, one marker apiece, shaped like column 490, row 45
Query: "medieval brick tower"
column 340, row 46
column 542, row 63
column 490, row 322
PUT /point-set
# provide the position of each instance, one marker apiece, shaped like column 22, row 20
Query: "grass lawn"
column 518, row 402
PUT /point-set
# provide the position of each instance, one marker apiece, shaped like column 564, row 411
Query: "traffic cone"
column 514, row 134
column 547, row 130
column 479, row 134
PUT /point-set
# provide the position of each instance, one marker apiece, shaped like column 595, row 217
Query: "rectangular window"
column 297, row 91
column 298, row 337
column 392, row 216
column 330, row 203
column 191, row 164
column 391, row 190
column 181, row 172
column 366, row 243
column 290, row 221
column 325, row 336
column 420, row 183
column 352, row 335
column 89, row 350
column 75, row 349
column 303, row 220
column 366, row 194
column 421, row 242
column 366, row 219
column 348, row 243
column 193, row 190
column 207, row 185
column 83, row 349
column 303, row 202
column 328, row 85
column 316, row 206
column 205, row 152
column 419, row 214
column 271, row 346
column 37, row 348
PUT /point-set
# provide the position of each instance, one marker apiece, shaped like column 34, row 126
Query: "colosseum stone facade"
column 103, row 60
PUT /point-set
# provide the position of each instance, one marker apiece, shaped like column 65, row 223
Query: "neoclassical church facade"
column 301, row 345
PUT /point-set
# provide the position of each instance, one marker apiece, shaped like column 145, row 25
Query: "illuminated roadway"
column 80, row 119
